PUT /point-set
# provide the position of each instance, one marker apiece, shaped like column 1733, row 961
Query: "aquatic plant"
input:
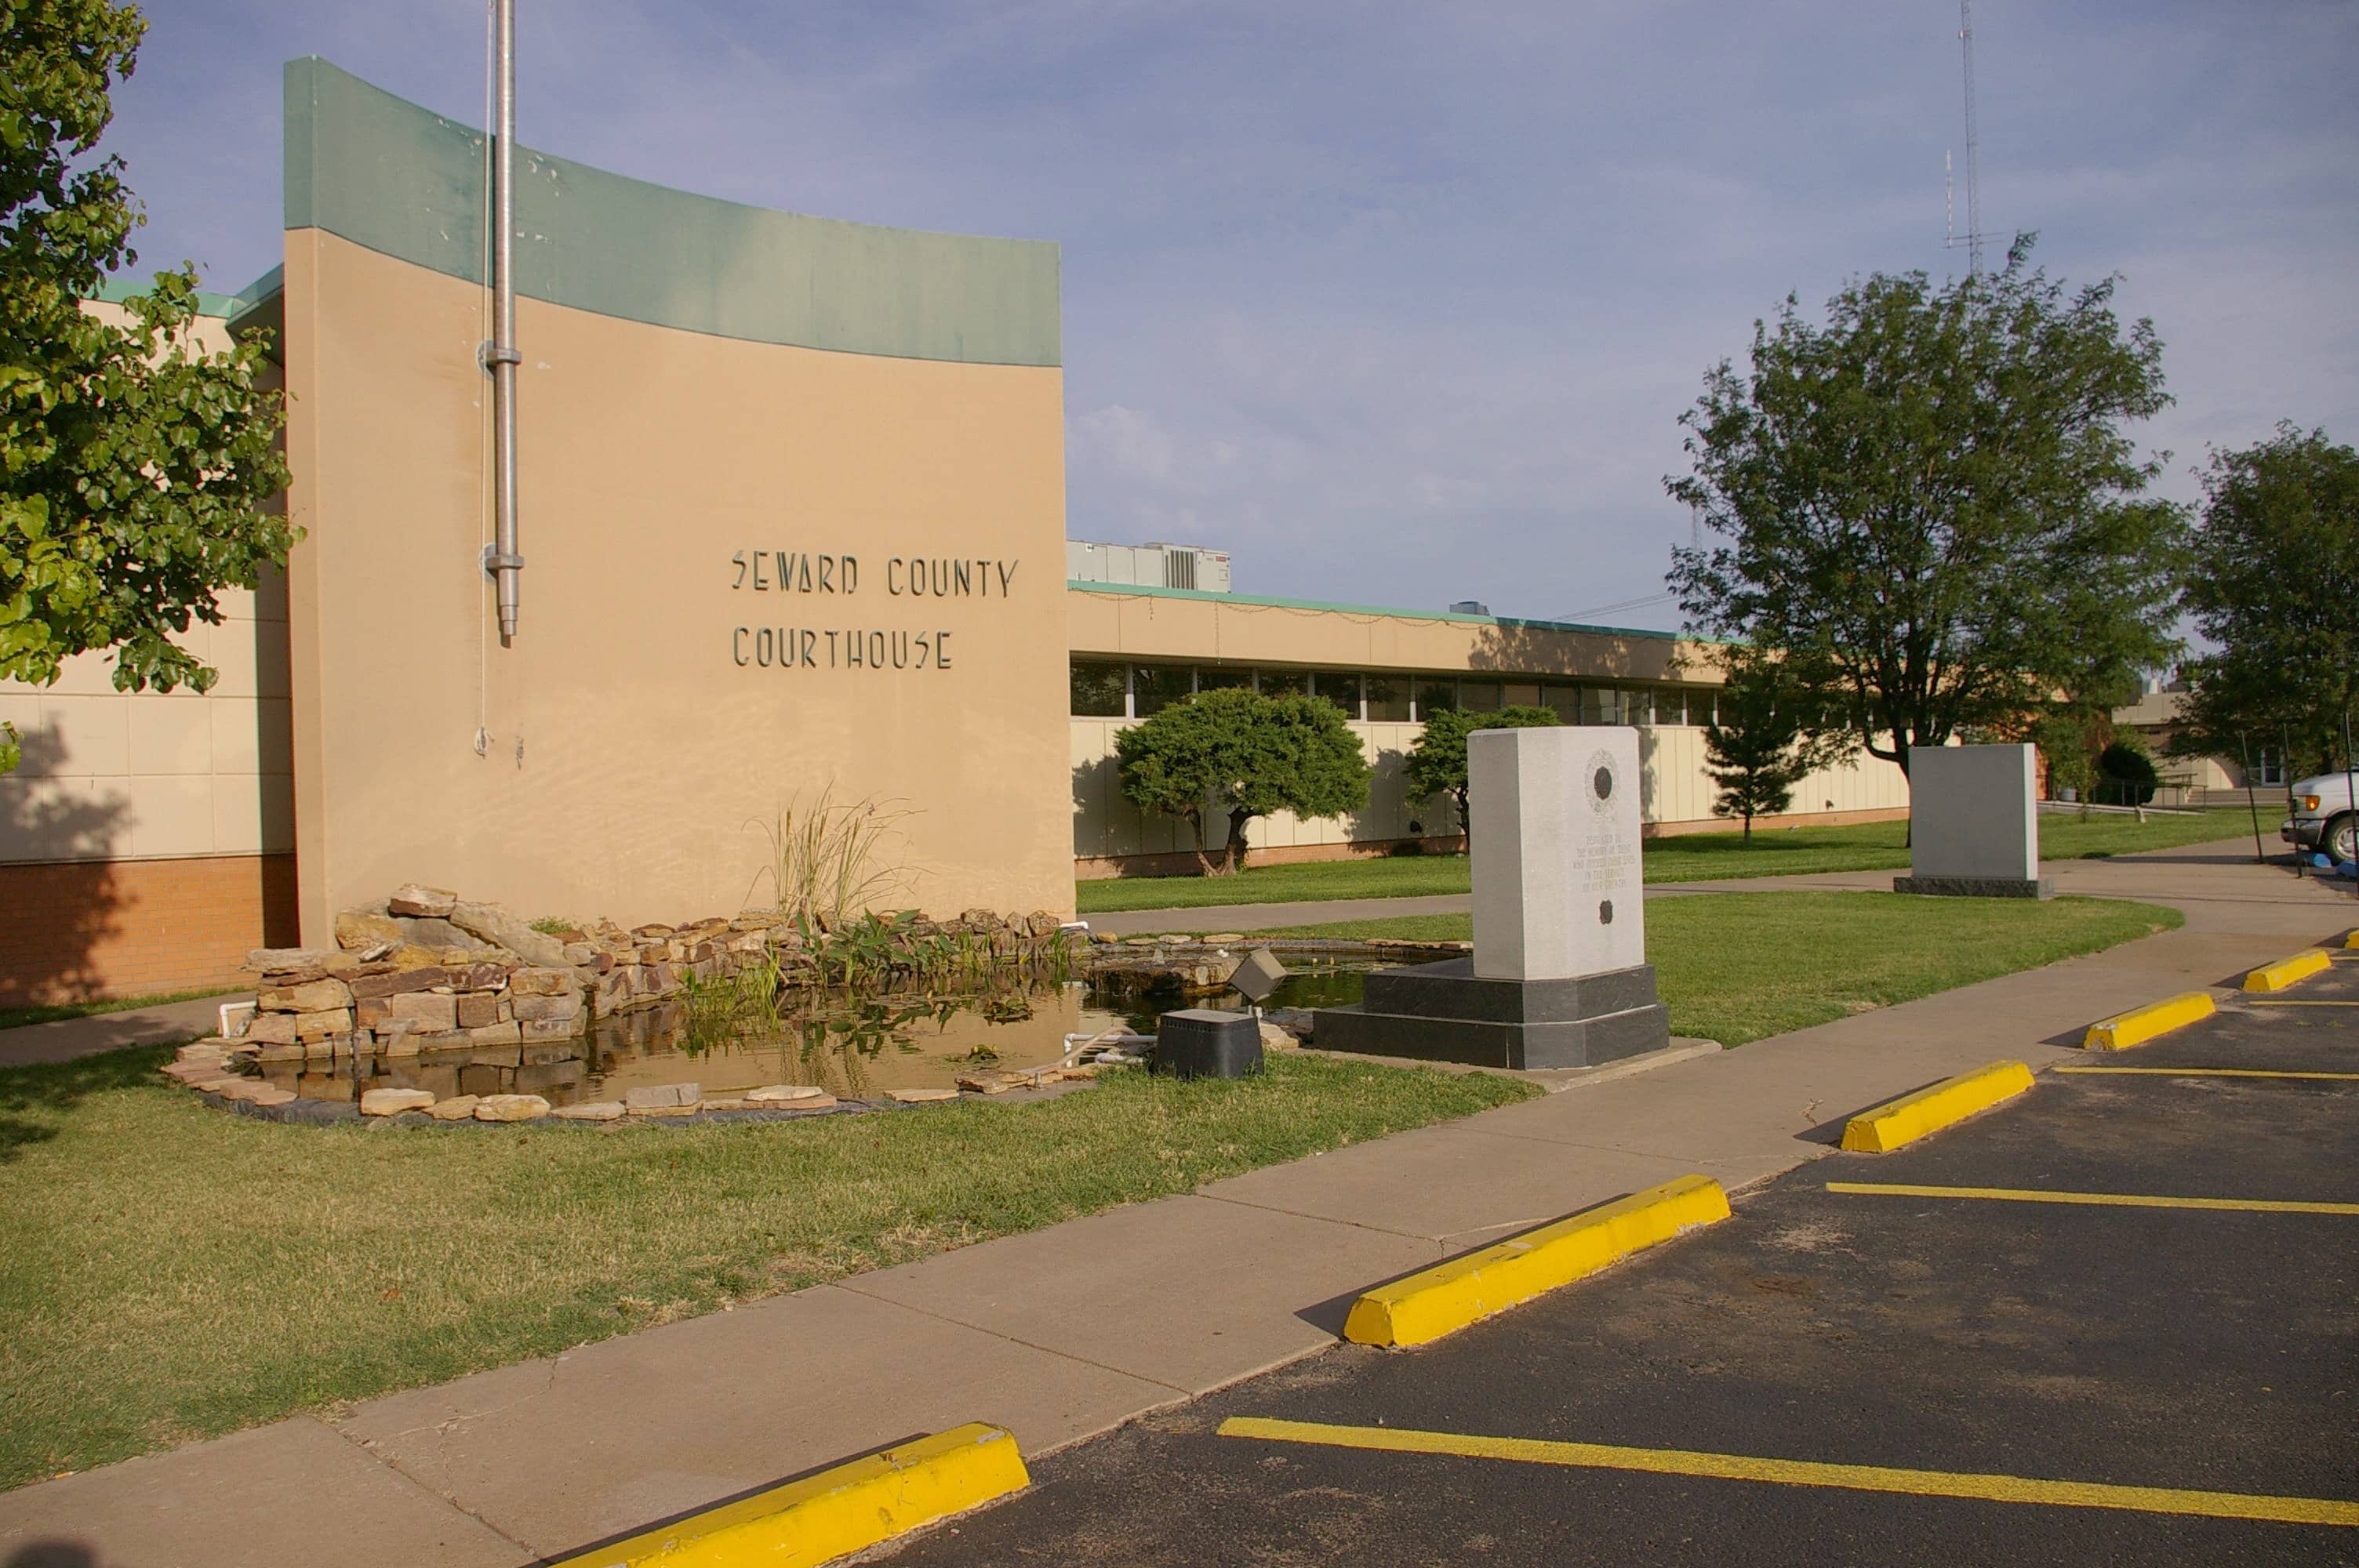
column 830, row 861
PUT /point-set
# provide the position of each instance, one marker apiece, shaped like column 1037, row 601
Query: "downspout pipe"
column 501, row 357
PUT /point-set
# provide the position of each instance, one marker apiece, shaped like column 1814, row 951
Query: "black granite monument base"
column 1445, row 1013
column 1976, row 887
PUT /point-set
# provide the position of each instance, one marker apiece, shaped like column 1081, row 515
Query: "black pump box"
column 1204, row 1042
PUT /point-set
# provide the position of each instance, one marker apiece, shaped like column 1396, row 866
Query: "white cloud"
column 1400, row 303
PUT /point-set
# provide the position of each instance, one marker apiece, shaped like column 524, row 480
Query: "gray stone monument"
column 1974, row 830
column 1558, row 977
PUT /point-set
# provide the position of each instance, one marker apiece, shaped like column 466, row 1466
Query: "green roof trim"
column 262, row 307
column 408, row 183
column 1259, row 600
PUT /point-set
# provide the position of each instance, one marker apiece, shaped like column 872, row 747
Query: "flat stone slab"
column 1976, row 887
column 1447, row 1012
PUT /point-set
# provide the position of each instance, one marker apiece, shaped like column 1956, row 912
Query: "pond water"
column 855, row 1049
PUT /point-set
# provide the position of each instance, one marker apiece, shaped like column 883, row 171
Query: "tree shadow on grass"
column 31, row 1097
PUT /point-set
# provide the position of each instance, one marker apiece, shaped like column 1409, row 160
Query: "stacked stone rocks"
column 426, row 970
column 629, row 971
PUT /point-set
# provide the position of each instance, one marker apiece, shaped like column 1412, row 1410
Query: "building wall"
column 702, row 384
column 85, row 930
column 1215, row 628
column 1112, row 837
column 146, row 839
column 1210, row 630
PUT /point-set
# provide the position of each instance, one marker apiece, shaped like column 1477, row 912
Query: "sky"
column 1400, row 304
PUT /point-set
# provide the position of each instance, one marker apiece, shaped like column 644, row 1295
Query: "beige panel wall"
column 1220, row 630
column 1106, row 825
column 118, row 775
column 629, row 756
column 1674, row 789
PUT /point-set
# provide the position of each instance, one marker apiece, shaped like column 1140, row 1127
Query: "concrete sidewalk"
column 1070, row 1330
column 168, row 1023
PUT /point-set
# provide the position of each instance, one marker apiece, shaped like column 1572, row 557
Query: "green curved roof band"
column 402, row 180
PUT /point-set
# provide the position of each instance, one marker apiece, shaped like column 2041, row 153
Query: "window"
column 1216, row 679
column 1341, row 687
column 1523, row 694
column 1098, row 689
column 1639, row 705
column 1436, row 695
column 1603, row 705
column 1153, row 688
column 1280, row 683
column 1479, row 696
column 1564, row 698
column 2268, row 768
column 1387, row 699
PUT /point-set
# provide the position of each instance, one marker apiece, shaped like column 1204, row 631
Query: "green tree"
column 1437, row 763
column 2062, row 735
column 1242, row 755
column 1768, row 736
column 135, row 468
column 2275, row 586
column 2126, row 773
column 1929, row 508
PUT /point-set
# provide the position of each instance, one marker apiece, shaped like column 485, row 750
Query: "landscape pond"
column 853, row 1047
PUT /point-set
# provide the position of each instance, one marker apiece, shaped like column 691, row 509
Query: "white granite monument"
column 1558, row 977
column 1973, row 828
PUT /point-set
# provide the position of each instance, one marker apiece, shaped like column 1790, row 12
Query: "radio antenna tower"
column 1972, row 238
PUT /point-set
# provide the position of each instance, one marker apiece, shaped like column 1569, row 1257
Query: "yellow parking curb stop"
column 1911, row 1117
column 840, row 1510
column 2140, row 1025
column 1446, row 1297
column 2285, row 971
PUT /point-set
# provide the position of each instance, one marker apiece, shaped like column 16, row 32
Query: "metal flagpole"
column 501, row 356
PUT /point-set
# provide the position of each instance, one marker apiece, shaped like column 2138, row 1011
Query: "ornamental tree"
column 1242, row 755
column 1768, row 736
column 1930, row 508
column 2275, row 586
column 135, row 468
column 1437, row 763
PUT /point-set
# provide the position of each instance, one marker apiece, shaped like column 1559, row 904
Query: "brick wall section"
column 90, row 930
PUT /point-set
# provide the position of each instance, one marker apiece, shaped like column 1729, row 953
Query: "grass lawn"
column 1696, row 857
column 169, row 1272
column 15, row 1017
column 1737, row 966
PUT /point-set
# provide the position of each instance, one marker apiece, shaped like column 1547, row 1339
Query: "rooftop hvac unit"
column 1147, row 565
column 1191, row 569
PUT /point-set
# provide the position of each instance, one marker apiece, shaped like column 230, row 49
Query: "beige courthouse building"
column 793, row 515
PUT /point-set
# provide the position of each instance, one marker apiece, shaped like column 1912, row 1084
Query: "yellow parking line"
column 2115, row 1200
column 1807, row 1473
column 2208, row 1072
column 2295, row 1001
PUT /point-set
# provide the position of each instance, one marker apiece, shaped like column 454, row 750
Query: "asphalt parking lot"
column 1996, row 1370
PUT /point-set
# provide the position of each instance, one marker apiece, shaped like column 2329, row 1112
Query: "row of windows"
column 1106, row 689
